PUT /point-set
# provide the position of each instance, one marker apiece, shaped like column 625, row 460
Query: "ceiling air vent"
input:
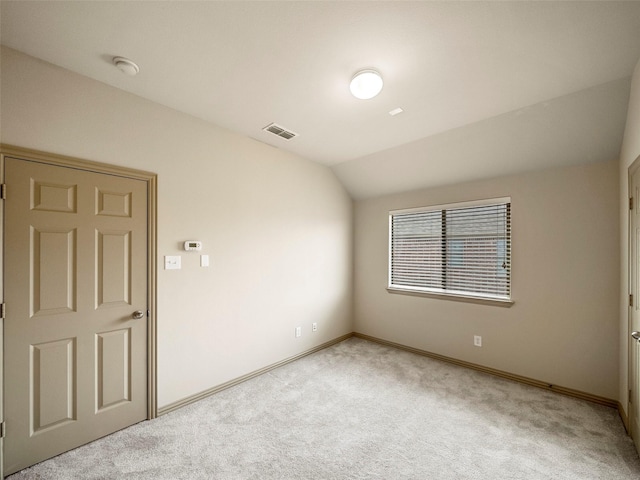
column 280, row 131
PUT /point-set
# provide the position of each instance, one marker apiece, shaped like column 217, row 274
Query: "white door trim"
column 152, row 181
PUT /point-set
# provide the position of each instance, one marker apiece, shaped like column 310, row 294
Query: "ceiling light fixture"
column 366, row 84
column 126, row 66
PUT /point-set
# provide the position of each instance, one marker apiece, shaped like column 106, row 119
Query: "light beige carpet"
column 359, row 410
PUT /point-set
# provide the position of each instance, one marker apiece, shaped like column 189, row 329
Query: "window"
column 459, row 249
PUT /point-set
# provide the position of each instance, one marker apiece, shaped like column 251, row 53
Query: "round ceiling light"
column 126, row 66
column 366, row 84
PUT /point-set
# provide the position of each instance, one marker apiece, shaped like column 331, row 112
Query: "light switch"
column 204, row 260
column 172, row 262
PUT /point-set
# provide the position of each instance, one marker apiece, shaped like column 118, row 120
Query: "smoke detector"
column 126, row 66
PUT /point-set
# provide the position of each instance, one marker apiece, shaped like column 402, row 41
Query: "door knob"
column 636, row 335
column 137, row 315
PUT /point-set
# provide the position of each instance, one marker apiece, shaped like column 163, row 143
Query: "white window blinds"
column 454, row 249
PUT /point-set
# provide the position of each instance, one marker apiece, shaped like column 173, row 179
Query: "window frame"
column 441, row 293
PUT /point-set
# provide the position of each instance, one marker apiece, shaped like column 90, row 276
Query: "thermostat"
column 192, row 245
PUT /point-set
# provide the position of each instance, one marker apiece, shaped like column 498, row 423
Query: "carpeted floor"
column 359, row 410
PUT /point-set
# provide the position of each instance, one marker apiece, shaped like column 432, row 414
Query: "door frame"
column 152, row 235
column 631, row 171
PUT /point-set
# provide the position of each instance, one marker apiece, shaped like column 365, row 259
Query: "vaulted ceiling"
column 487, row 88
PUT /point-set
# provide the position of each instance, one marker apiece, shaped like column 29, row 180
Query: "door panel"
column 114, row 260
column 53, row 384
column 76, row 264
column 113, row 363
column 50, row 197
column 115, row 204
column 53, row 271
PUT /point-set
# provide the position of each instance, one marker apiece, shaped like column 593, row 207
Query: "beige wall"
column 629, row 153
column 277, row 228
column 563, row 327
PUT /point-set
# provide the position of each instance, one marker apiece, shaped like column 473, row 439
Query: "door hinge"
column 631, row 203
column 2, row 307
column 3, row 191
column 630, row 397
column 2, row 430
column 631, row 299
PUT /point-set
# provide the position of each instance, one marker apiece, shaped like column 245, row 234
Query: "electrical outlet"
column 477, row 340
column 314, row 327
column 298, row 332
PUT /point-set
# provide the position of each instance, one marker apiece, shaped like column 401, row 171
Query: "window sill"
column 454, row 297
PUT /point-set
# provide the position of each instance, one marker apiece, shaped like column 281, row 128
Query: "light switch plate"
column 172, row 262
column 204, row 260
